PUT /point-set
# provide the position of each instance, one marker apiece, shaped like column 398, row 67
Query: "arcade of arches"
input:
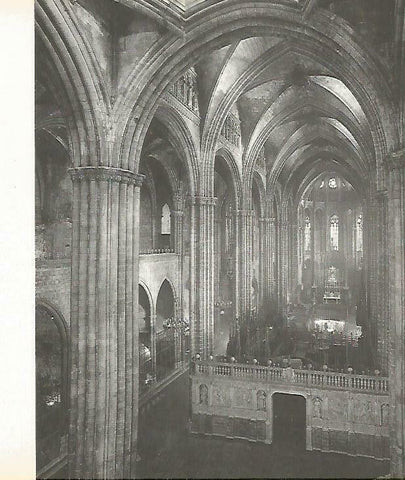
column 202, row 167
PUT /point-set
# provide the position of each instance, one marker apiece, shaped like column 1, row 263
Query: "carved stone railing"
column 155, row 251
column 231, row 130
column 185, row 90
column 305, row 378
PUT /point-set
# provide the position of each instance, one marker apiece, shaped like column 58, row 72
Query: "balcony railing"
column 154, row 251
column 306, row 378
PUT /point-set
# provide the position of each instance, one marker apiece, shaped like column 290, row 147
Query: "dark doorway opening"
column 165, row 332
column 289, row 421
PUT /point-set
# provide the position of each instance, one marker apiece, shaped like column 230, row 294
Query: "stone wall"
column 155, row 268
column 336, row 421
column 52, row 285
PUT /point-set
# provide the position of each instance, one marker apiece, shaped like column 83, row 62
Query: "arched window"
column 359, row 233
column 332, row 183
column 334, row 232
column 166, row 224
column 332, row 276
column 203, row 394
column 261, row 400
column 307, row 235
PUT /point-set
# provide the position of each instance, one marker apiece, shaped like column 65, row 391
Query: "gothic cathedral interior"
column 219, row 238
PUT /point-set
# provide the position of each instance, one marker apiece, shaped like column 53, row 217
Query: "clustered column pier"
column 104, row 324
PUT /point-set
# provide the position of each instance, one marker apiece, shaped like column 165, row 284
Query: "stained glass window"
column 307, row 234
column 166, row 227
column 334, row 232
column 359, row 233
column 332, row 182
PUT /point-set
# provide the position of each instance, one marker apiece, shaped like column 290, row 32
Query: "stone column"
column 178, row 354
column 300, row 254
column 395, row 164
column 104, row 323
column 178, row 216
column 371, row 252
column 193, row 308
column 153, row 343
column 205, row 288
column 218, row 259
column 236, row 276
column 285, row 259
column 382, row 284
column 245, row 256
column 263, row 259
column 272, row 255
column 178, row 231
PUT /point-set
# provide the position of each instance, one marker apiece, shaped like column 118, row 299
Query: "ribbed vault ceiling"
column 288, row 101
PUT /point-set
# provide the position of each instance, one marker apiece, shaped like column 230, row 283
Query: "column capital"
column 244, row 212
column 381, row 194
column 177, row 213
column 202, row 200
column 179, row 201
column 395, row 160
column 106, row 174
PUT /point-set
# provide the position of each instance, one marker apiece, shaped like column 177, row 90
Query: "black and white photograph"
column 218, row 216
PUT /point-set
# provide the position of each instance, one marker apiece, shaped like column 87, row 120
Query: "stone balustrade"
column 306, row 378
column 154, row 251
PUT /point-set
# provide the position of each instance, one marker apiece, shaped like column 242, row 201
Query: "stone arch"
column 147, row 214
column 52, row 380
column 181, row 138
column 68, row 51
column 230, row 171
column 60, row 323
column 169, row 172
column 258, row 183
column 301, row 180
column 149, row 297
column 338, row 153
column 335, row 38
column 167, row 309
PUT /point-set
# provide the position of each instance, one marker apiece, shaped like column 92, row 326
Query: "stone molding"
column 244, row 212
column 200, row 200
column 106, row 174
column 395, row 160
column 177, row 213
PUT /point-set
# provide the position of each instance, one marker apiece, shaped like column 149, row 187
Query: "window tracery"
column 231, row 129
column 307, row 234
column 334, row 232
column 359, row 233
column 166, row 223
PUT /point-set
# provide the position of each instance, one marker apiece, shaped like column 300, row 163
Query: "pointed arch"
column 181, row 138
column 78, row 85
column 230, row 171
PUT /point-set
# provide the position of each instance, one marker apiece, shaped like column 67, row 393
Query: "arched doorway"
column 165, row 331
column 145, row 340
column 289, row 421
column 51, row 377
column 225, row 254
